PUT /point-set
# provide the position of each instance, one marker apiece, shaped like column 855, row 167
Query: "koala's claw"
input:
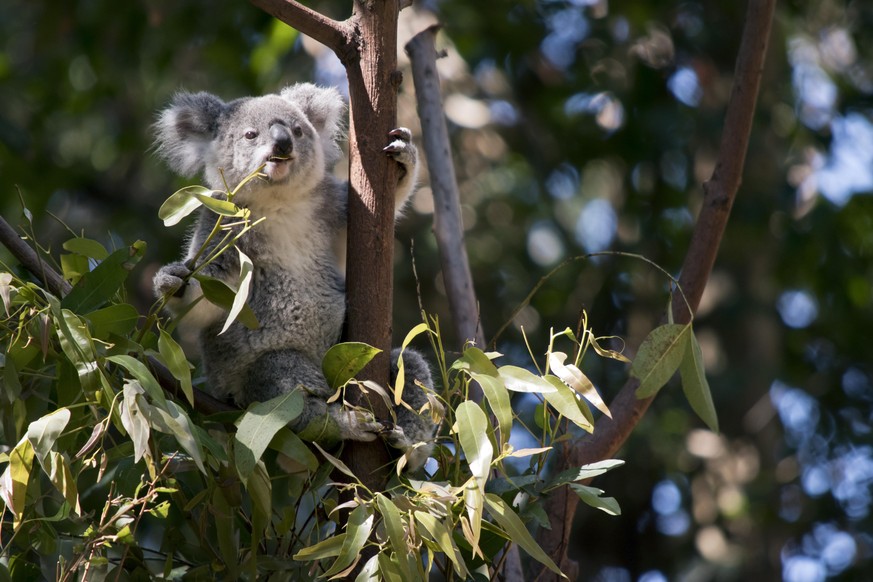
column 170, row 279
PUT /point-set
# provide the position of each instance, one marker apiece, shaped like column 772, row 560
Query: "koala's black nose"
column 282, row 144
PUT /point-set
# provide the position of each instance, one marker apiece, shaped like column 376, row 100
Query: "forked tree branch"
column 57, row 285
column 719, row 194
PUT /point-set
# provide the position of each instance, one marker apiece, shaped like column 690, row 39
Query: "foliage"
column 126, row 479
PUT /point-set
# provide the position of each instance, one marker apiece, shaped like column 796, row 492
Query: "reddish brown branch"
column 335, row 35
column 720, row 191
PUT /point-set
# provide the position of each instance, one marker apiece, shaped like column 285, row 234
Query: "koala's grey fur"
column 297, row 290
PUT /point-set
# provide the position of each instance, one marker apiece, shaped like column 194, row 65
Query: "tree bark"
column 719, row 194
column 448, row 229
column 366, row 44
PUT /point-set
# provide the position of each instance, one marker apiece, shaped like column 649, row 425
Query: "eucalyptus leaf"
column 246, row 269
column 358, row 528
column 86, row 247
column 577, row 380
column 521, row 380
column 400, row 380
column 565, row 401
column 174, row 359
column 442, row 536
column 180, row 204
column 592, row 496
column 582, row 473
column 659, row 357
column 498, row 399
column 695, row 385
column 101, row 284
column 258, row 426
column 220, row 294
column 343, row 361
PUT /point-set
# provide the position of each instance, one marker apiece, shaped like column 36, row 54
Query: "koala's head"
column 293, row 134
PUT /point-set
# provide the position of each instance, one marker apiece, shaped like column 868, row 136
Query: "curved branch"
column 720, row 191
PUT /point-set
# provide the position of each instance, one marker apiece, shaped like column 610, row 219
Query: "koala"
column 297, row 290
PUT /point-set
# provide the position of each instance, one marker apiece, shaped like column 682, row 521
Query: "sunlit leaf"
column 13, row 481
column 342, row 467
column 659, row 356
column 258, row 426
column 400, row 380
column 43, row 432
column 246, row 269
column 471, row 425
column 521, row 380
column 171, row 419
column 141, row 372
column 343, row 361
column 695, row 385
column 61, row 477
column 577, row 380
column 498, row 399
column 219, row 206
column 605, row 353
column 565, row 401
column 180, row 204
column 134, row 421
column 516, row 531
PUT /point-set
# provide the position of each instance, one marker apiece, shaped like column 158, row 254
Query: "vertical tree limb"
column 448, row 229
column 719, row 194
column 366, row 44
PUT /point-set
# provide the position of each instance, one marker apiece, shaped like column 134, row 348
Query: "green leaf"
column 43, row 432
column 521, row 380
column 400, row 380
column 471, row 425
column 582, row 473
column 695, row 385
column 180, row 204
column 516, row 531
column 171, row 419
column 592, row 497
column 86, row 247
column 61, row 477
column 358, row 529
column 575, row 379
column 134, row 419
column 324, row 549
column 290, row 445
column 246, row 268
column 77, row 345
column 13, row 482
column 174, row 359
column 342, row 467
column 119, row 319
column 659, row 357
column 370, row 571
column 475, row 360
column 141, row 372
column 564, row 400
column 258, row 426
column 261, row 492
column 397, row 536
column 498, row 399
column 442, row 536
column 343, row 361
column 100, row 285
column 219, row 206
column 219, row 293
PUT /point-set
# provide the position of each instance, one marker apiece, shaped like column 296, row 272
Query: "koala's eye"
column 298, row 131
column 251, row 134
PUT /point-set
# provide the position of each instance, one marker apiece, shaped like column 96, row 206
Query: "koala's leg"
column 279, row 372
column 405, row 154
column 412, row 428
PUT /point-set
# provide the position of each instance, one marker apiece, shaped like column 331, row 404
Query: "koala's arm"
column 175, row 281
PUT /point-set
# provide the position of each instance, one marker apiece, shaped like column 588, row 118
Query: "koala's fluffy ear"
column 324, row 107
column 185, row 130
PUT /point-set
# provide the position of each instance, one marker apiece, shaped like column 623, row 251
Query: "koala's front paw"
column 402, row 150
column 357, row 425
column 170, row 280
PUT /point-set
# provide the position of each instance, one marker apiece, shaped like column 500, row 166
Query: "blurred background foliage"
column 579, row 126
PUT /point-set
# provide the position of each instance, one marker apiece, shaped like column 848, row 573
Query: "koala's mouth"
column 277, row 168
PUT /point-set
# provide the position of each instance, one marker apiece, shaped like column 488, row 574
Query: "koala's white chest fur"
column 292, row 234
